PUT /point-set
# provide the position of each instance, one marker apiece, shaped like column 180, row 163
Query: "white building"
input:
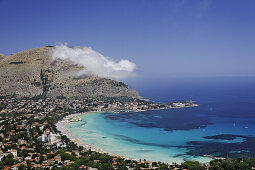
column 54, row 138
column 44, row 137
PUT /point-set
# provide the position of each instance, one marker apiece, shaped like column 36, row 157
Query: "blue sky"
column 165, row 38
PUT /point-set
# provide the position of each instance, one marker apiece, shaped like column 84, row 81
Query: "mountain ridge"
column 33, row 72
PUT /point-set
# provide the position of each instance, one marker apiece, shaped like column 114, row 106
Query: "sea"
column 223, row 125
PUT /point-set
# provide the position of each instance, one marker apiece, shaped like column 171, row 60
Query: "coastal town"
column 30, row 139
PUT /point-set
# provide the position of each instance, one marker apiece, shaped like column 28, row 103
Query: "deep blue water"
column 223, row 125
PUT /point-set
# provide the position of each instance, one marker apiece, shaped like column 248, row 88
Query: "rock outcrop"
column 2, row 56
column 33, row 72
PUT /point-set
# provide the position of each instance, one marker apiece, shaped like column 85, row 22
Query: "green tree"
column 163, row 166
column 8, row 160
column 192, row 165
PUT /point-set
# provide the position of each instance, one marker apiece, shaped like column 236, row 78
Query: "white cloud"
column 94, row 62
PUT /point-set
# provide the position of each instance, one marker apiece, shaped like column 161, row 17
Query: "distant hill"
column 33, row 72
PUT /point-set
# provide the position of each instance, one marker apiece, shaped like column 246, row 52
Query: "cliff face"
column 33, row 72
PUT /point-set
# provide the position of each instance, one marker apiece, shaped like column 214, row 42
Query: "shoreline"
column 61, row 126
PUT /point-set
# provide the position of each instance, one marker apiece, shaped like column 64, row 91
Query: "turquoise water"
column 155, row 144
column 127, row 140
column 223, row 125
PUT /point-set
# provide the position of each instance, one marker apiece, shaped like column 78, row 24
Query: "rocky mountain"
column 2, row 56
column 33, row 72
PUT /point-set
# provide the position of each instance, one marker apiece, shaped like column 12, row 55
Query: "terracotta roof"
column 6, row 167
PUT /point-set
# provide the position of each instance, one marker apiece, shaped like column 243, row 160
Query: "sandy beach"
column 61, row 126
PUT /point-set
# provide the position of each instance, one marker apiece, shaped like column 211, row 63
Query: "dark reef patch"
column 145, row 151
column 135, row 141
column 169, row 119
column 243, row 149
column 225, row 137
